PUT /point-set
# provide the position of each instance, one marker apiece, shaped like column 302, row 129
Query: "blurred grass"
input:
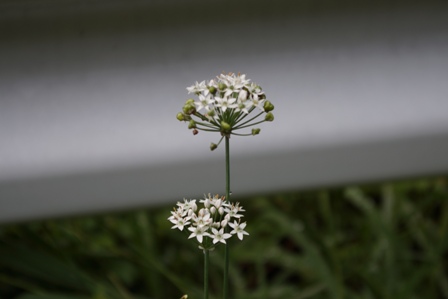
column 377, row 241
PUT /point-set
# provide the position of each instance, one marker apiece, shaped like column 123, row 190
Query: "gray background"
column 90, row 90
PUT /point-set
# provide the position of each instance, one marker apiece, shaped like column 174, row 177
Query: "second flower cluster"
column 208, row 222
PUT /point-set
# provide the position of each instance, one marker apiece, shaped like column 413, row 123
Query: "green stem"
column 207, row 125
column 227, row 168
column 243, row 115
column 238, row 134
column 226, row 250
column 247, row 121
column 206, row 260
column 207, row 130
column 249, row 125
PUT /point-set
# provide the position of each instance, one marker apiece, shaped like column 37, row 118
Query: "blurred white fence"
column 90, row 90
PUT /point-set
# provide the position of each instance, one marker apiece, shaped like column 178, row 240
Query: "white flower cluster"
column 235, row 92
column 209, row 221
column 223, row 105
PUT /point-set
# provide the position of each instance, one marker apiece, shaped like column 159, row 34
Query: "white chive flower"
column 207, row 223
column 197, row 87
column 198, row 232
column 223, row 104
column 219, row 236
column 238, row 228
column 257, row 101
column 204, row 102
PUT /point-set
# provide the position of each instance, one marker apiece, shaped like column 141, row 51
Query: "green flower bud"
column 222, row 86
column 192, row 124
column 180, row 116
column 212, row 90
column 189, row 109
column 256, row 131
column 189, row 101
column 213, row 146
column 269, row 117
column 225, row 127
column 268, row 106
column 211, row 113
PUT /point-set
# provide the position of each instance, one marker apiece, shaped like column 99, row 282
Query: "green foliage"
column 383, row 241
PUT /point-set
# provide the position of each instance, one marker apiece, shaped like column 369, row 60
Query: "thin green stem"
column 227, row 168
column 208, row 121
column 249, row 125
column 226, row 250
column 206, row 124
column 203, row 118
column 247, row 121
column 243, row 115
column 220, row 140
column 207, row 130
column 238, row 134
column 206, row 262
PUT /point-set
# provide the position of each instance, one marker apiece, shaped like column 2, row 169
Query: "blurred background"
column 92, row 158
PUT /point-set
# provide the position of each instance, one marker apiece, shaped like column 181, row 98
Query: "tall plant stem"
column 227, row 169
column 226, row 250
column 206, row 260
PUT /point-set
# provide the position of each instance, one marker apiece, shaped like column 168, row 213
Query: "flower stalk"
column 225, row 105
column 206, row 266
column 227, row 249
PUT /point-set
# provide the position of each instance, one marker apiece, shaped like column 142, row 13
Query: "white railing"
column 88, row 104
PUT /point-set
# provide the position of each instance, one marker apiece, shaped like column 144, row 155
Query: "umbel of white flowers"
column 207, row 222
column 226, row 104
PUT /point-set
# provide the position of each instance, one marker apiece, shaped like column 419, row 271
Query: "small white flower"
column 217, row 202
column 257, row 102
column 233, row 211
column 230, row 91
column 178, row 220
column 188, row 204
column 226, row 79
column 240, row 81
column 198, row 232
column 206, row 201
column 225, row 103
column 173, row 219
column 219, row 236
column 179, row 213
column 204, row 102
column 203, row 221
column 243, row 106
column 180, row 223
column 254, row 89
column 211, row 83
column 238, row 228
column 197, row 87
